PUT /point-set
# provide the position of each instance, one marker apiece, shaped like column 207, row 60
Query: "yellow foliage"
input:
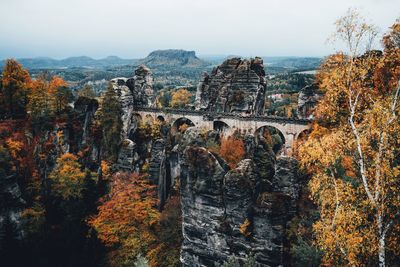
column 352, row 156
column 67, row 178
column 180, row 98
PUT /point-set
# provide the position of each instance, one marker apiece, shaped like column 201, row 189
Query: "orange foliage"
column 14, row 147
column 47, row 97
column 105, row 170
column 245, row 228
column 126, row 218
column 232, row 150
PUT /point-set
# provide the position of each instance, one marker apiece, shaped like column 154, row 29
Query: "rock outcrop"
column 235, row 212
column 136, row 91
column 237, row 85
column 173, row 58
column 11, row 206
column 309, row 97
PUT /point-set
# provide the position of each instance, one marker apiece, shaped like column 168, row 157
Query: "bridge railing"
column 216, row 115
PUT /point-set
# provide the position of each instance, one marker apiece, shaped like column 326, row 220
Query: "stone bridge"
column 228, row 123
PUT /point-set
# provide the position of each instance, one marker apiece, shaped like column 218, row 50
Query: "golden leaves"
column 344, row 159
column 180, row 98
column 67, row 178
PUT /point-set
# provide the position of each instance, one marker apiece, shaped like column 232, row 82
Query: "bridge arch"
column 273, row 136
column 220, row 126
column 303, row 134
column 160, row 118
column 181, row 124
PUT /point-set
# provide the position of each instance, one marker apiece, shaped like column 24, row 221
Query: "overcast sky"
column 133, row 28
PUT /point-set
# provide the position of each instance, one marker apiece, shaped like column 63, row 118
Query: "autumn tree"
column 232, row 150
column 86, row 91
column 60, row 93
column 180, row 98
column 67, row 179
column 14, row 89
column 126, row 218
column 39, row 105
column 48, row 98
column 109, row 116
column 353, row 150
column 149, row 128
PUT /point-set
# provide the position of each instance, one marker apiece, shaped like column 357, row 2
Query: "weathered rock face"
column 237, row 85
column 235, row 212
column 309, row 97
column 11, row 206
column 134, row 92
column 86, row 109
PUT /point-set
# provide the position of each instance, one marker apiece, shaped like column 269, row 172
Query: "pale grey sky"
column 133, row 28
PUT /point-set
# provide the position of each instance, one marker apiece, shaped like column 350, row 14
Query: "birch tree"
column 353, row 150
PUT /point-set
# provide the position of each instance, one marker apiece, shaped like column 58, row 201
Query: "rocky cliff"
column 11, row 206
column 237, row 85
column 136, row 91
column 309, row 97
column 235, row 212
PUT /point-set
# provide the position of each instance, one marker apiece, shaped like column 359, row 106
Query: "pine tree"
column 110, row 120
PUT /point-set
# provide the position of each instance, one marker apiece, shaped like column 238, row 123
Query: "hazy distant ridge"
column 72, row 62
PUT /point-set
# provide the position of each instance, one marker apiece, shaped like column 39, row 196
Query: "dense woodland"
column 77, row 210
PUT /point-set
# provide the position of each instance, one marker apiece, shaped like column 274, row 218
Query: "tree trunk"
column 381, row 247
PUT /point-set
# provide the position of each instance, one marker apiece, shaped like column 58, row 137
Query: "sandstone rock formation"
column 308, row 99
column 235, row 212
column 136, row 91
column 11, row 206
column 173, row 58
column 237, row 85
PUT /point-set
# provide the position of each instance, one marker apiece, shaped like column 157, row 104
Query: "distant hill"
column 173, row 58
column 72, row 62
column 293, row 63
